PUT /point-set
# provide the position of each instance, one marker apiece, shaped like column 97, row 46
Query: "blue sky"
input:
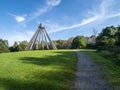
column 63, row 19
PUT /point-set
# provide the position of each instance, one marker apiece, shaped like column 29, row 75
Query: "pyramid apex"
column 41, row 25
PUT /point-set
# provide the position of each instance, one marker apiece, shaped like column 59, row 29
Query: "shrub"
column 91, row 46
column 117, row 50
column 117, row 61
column 105, row 53
column 101, row 48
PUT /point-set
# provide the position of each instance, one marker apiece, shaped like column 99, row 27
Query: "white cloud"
column 53, row 2
column 18, row 18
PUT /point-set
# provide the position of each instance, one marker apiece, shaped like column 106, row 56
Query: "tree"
column 63, row 44
column 112, row 41
column 22, row 45
column 18, row 46
column 15, row 46
column 69, row 42
column 109, row 31
column 5, row 42
column 79, row 42
column 3, row 46
column 107, row 37
column 117, row 36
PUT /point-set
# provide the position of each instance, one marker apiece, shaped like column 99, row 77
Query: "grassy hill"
column 37, row 70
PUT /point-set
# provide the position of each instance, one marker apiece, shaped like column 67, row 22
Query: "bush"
column 117, row 61
column 105, row 53
column 117, row 51
column 102, row 48
column 91, row 46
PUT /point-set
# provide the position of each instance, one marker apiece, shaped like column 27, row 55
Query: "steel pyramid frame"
column 40, row 40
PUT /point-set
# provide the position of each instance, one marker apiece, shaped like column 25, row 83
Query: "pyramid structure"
column 40, row 40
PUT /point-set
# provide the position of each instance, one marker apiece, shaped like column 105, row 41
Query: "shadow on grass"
column 60, row 58
column 13, row 84
column 49, row 80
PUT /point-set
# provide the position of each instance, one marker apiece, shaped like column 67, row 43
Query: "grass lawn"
column 110, row 71
column 37, row 70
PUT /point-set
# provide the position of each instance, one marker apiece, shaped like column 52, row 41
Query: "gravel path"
column 88, row 75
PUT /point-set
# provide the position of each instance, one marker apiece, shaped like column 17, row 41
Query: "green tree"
column 109, row 31
column 112, row 41
column 79, row 42
column 63, row 44
column 69, row 43
column 22, row 45
column 107, row 36
column 15, row 46
column 3, row 47
column 117, row 36
column 18, row 46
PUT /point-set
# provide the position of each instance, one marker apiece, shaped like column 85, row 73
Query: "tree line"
column 72, row 43
column 17, row 46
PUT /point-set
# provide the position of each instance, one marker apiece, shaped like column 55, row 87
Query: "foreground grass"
column 110, row 71
column 37, row 70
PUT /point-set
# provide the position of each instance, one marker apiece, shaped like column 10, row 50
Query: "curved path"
column 88, row 75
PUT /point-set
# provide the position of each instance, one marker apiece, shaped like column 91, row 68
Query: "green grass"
column 110, row 71
column 37, row 70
